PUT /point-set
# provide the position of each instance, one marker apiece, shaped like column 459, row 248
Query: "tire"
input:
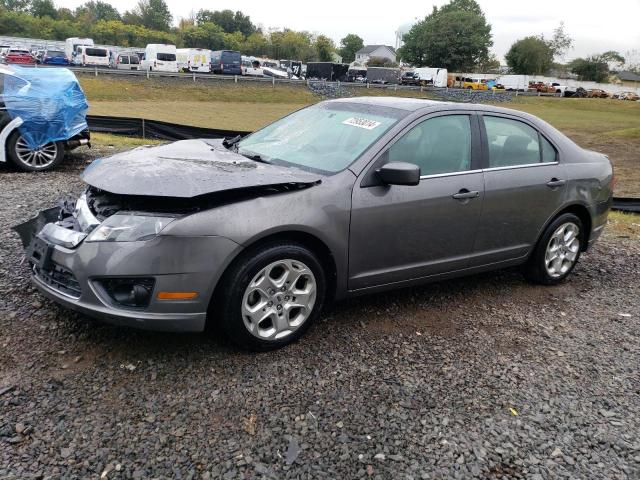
column 48, row 158
column 565, row 244
column 237, row 297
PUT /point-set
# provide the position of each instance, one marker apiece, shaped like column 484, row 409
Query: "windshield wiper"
column 230, row 142
column 255, row 157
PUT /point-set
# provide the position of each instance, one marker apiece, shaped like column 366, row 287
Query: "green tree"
column 560, row 42
column 229, row 21
column 456, row 37
column 324, row 47
column 43, row 8
column 256, row 44
column 14, row 5
column 491, row 65
column 153, row 14
column 530, row 56
column 93, row 11
column 349, row 45
column 381, row 62
column 595, row 68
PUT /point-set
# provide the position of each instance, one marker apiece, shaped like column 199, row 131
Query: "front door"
column 400, row 233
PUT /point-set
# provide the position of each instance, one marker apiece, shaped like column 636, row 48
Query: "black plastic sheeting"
column 625, row 204
column 155, row 129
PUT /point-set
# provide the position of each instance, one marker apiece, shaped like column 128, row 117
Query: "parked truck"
column 436, row 77
column 334, row 72
column 71, row 47
column 196, row 60
column 383, row 75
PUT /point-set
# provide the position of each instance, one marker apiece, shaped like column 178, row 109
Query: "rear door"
column 400, row 233
column 524, row 185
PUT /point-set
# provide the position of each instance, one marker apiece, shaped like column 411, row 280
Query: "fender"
column 4, row 135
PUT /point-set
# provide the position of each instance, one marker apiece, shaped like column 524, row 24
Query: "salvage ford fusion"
column 341, row 198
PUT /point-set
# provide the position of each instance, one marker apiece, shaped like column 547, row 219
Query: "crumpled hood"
column 186, row 169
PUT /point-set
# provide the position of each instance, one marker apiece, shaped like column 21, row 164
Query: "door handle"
column 465, row 194
column 554, row 182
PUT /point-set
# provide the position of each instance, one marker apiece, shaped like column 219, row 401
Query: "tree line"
column 150, row 21
column 455, row 36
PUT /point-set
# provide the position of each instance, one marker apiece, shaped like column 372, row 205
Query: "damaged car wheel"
column 30, row 160
column 271, row 296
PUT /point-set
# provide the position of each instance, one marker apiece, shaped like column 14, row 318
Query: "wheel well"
column 583, row 214
column 305, row 239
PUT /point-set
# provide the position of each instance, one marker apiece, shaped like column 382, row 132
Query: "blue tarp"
column 49, row 101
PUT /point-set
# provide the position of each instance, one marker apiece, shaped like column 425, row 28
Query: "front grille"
column 59, row 278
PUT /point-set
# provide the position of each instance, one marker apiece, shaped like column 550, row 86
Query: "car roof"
column 411, row 105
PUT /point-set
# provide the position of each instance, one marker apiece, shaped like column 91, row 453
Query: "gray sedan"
column 341, row 198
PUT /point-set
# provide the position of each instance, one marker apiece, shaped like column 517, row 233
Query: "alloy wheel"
column 562, row 249
column 279, row 299
column 39, row 158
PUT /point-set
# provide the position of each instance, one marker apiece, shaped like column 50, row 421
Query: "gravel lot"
column 486, row 377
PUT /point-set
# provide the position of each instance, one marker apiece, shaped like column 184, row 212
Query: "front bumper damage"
column 72, row 272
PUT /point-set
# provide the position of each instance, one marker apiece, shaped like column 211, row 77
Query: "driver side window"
column 437, row 145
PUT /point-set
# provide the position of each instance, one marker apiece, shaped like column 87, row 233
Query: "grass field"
column 608, row 126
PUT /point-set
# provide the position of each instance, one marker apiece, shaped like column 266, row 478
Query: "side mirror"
column 399, row 173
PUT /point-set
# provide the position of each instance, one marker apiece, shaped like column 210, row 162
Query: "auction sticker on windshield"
column 361, row 123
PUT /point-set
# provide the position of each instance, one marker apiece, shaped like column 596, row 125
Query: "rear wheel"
column 557, row 251
column 271, row 296
column 43, row 158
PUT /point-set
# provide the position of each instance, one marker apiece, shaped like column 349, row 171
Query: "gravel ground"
column 484, row 377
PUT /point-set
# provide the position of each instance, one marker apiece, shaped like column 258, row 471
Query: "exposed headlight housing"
column 129, row 228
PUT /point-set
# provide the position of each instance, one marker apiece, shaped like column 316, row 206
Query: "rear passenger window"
column 549, row 153
column 124, row 60
column 438, row 145
column 511, row 142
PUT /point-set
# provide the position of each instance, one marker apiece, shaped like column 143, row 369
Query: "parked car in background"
column 125, row 61
column 196, row 60
column 474, row 84
column 437, row 77
column 54, row 57
column 160, row 58
column 634, row 97
column 514, row 82
column 251, row 67
column 227, row 62
column 597, row 93
column 21, row 91
column 71, row 47
column 342, row 198
column 19, row 56
column 88, row 56
column 410, row 78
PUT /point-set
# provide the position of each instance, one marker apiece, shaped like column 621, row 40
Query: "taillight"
column 222, row 67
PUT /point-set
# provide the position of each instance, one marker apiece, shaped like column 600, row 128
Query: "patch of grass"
column 212, row 114
column 105, row 140
column 166, row 89
column 623, row 225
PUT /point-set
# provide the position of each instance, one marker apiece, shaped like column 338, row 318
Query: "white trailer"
column 514, row 82
column 159, row 57
column 196, row 60
column 89, row 56
column 71, row 47
column 435, row 76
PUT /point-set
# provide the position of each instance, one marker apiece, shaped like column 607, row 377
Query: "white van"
column 71, row 47
column 91, row 56
column 160, row 57
column 196, row 60
column 435, row 76
column 514, row 82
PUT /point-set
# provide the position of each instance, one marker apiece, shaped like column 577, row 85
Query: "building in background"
column 375, row 51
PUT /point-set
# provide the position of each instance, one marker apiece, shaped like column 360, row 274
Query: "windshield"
column 326, row 137
column 166, row 57
column 95, row 52
column 231, row 57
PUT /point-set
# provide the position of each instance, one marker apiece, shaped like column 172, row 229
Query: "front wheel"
column 557, row 252
column 43, row 158
column 271, row 296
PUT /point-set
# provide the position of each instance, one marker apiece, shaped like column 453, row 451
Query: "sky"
column 595, row 26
